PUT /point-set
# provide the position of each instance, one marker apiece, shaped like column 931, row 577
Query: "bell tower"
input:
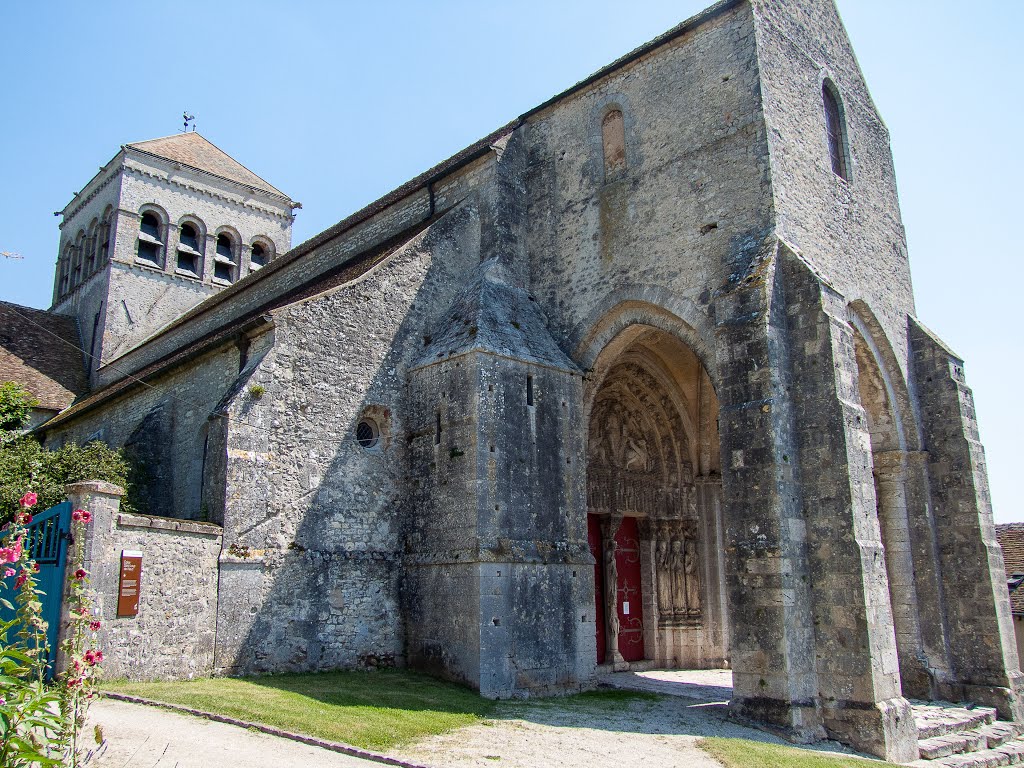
column 164, row 225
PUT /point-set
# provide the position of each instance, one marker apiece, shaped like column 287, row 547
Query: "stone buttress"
column 500, row 579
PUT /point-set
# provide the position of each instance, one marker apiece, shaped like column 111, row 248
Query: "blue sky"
column 337, row 103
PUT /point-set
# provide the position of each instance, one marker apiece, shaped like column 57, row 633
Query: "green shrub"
column 26, row 465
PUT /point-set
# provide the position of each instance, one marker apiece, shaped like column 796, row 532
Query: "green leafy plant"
column 16, row 404
column 24, row 463
column 40, row 723
column 256, row 391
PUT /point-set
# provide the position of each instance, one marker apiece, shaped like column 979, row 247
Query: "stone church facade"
column 634, row 381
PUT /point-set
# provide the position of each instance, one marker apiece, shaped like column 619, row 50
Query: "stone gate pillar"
column 981, row 639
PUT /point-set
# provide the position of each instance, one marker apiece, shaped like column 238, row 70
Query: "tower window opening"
column 529, row 390
column 188, row 250
column 437, row 429
column 258, row 259
column 224, row 261
column 150, row 244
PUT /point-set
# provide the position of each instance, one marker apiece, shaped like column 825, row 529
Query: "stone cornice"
column 207, row 192
column 84, row 201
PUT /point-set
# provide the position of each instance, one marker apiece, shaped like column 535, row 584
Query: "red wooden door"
column 629, row 601
column 594, row 539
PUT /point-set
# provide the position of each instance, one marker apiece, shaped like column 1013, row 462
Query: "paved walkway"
column 138, row 735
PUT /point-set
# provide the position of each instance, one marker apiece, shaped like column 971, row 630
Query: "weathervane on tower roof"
column 188, row 119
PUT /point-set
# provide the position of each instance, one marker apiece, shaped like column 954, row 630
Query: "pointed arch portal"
column 653, row 504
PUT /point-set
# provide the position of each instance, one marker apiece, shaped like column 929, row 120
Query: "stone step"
column 1009, row 753
column 958, row 742
column 939, row 718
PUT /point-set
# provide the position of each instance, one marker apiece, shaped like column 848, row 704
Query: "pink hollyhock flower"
column 76, row 515
column 23, row 517
column 35, row 567
column 94, row 625
column 7, row 555
column 74, row 682
column 99, row 656
column 90, row 657
column 20, row 581
column 28, row 500
column 8, row 572
column 86, row 516
column 80, row 574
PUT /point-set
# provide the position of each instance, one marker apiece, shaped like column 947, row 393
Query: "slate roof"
column 40, row 351
column 194, row 150
column 1011, row 539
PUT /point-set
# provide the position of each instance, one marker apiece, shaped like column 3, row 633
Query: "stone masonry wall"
column 849, row 230
column 164, row 426
column 173, row 635
column 314, row 523
column 691, row 207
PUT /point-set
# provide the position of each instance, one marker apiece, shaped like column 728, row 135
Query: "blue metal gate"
column 47, row 542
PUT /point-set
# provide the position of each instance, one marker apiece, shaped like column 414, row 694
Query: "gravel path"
column 574, row 733
column 581, row 732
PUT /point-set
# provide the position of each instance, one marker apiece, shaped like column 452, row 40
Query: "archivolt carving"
column 640, row 460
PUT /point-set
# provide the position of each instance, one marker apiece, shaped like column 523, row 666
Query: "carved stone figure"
column 611, row 591
column 677, row 567
column 637, row 458
column 692, row 580
column 663, row 569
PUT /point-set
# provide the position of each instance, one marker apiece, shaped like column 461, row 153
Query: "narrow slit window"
column 437, row 429
column 529, row 390
column 836, row 132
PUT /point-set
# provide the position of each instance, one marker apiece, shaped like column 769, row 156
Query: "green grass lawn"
column 743, row 753
column 372, row 710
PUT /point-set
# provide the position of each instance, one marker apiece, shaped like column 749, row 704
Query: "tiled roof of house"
column 1011, row 539
column 40, row 351
column 194, row 150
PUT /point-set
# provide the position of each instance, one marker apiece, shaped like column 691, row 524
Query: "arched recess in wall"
column 654, row 503
column 888, row 441
column 613, row 144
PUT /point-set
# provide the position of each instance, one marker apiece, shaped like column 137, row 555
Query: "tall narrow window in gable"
column 835, row 130
column 613, row 136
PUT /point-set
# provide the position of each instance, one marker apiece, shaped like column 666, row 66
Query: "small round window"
column 367, row 433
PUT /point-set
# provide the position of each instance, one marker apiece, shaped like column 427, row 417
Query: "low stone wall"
column 173, row 634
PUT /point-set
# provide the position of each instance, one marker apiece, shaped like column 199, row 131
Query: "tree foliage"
column 26, row 465
column 16, row 403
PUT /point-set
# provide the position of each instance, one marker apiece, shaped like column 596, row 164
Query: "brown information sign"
column 131, row 582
